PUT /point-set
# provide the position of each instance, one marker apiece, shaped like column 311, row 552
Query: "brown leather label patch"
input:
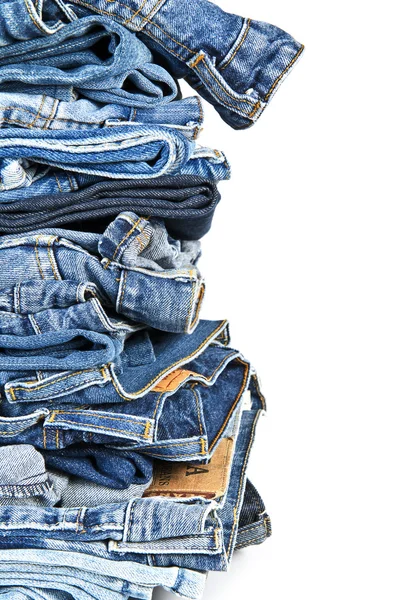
column 173, row 380
column 185, row 480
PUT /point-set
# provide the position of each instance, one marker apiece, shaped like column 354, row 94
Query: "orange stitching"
column 135, row 14
column 58, row 182
column 53, row 268
column 51, row 115
column 283, row 73
column 223, row 324
column 253, row 112
column 196, row 395
column 126, row 236
column 38, row 258
column 105, row 428
column 52, row 382
column 239, row 45
column 38, row 112
column 198, row 59
column 224, row 90
column 28, row 8
column 233, row 407
column 97, row 416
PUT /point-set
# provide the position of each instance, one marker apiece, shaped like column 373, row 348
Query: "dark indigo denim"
column 85, row 423
column 236, row 64
column 186, row 203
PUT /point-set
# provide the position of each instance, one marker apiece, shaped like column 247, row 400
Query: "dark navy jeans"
column 186, row 203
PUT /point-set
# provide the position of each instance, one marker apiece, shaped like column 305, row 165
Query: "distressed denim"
column 121, row 152
column 44, row 112
column 48, row 574
column 98, row 57
column 236, row 64
column 186, row 204
column 136, row 267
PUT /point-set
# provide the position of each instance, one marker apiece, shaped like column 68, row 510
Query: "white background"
column 303, row 259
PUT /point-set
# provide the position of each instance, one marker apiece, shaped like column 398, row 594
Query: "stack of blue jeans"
column 126, row 421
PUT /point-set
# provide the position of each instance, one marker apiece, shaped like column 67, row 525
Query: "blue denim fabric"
column 121, row 152
column 25, row 20
column 98, row 57
column 185, row 203
column 24, row 480
column 254, row 523
column 198, row 534
column 236, row 64
column 137, row 268
column 48, row 574
column 182, row 422
column 44, row 112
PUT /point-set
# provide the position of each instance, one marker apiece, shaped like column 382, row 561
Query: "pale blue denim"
column 44, row 112
column 138, row 269
column 48, row 575
column 95, row 56
column 122, row 152
column 236, row 64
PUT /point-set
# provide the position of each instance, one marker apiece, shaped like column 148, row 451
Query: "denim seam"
column 52, row 114
column 38, row 112
column 131, row 434
column 251, row 542
column 38, row 258
column 256, row 526
column 171, row 367
column 212, row 91
column 12, row 389
column 260, row 394
column 277, row 80
column 237, row 399
column 132, row 419
column 63, row 391
column 239, row 43
column 58, row 182
column 125, row 23
column 244, row 467
column 54, row 118
column 52, row 259
column 34, row 324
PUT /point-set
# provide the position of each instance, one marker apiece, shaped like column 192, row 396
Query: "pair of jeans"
column 44, row 112
column 236, row 64
column 121, row 152
column 193, row 533
column 186, row 204
column 136, row 267
column 95, row 56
